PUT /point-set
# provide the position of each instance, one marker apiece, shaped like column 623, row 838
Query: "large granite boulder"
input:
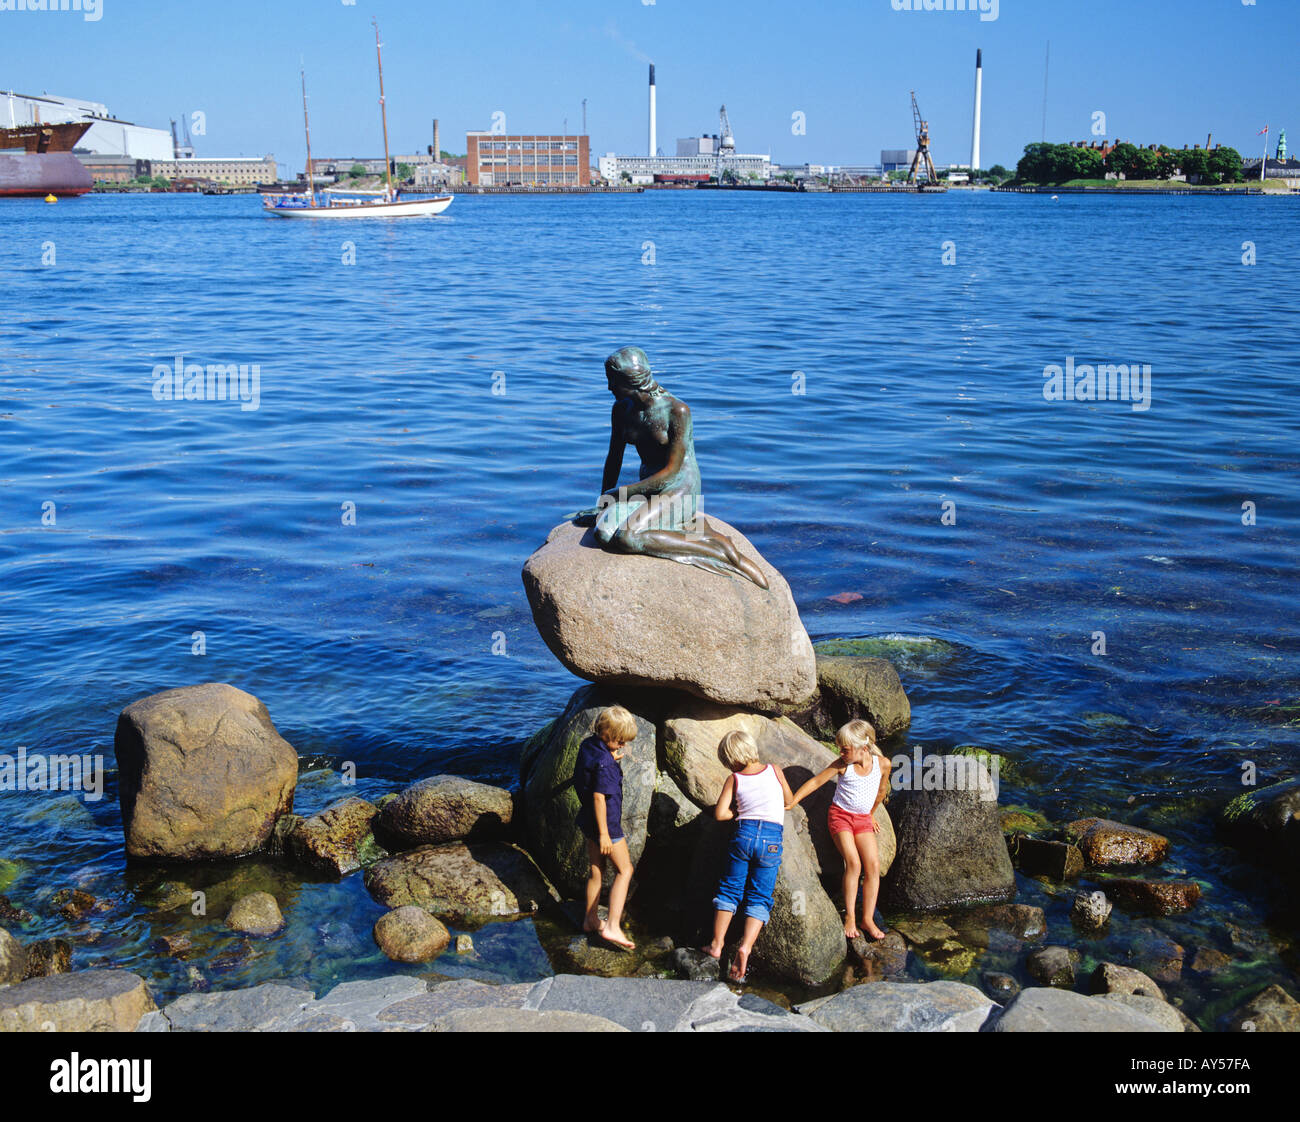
column 461, row 881
column 203, row 774
column 950, row 846
column 447, row 808
column 550, row 805
column 83, row 1001
column 620, row 619
column 1266, row 824
column 692, row 730
column 803, row 941
column 333, row 842
column 853, row 687
column 903, row 1007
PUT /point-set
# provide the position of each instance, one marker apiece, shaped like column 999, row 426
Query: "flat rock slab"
column 1043, row 1009
column 620, row 619
column 263, row 1008
column 81, row 1001
column 462, row 880
column 521, row 1020
column 662, row 1005
column 203, row 773
column 903, row 1007
column 456, row 996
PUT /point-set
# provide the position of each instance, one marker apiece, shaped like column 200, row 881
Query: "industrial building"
column 108, row 136
column 234, row 171
column 896, row 159
column 496, row 160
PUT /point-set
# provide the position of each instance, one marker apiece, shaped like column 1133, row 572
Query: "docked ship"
column 37, row 160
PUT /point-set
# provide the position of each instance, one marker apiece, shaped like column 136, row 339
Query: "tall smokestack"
column 437, row 142
column 979, row 97
column 654, row 140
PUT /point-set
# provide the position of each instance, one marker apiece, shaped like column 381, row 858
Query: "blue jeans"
column 753, row 860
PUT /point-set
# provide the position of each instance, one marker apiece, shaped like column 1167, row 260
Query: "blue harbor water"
column 922, row 386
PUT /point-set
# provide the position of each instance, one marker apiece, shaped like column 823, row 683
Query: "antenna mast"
column 383, row 112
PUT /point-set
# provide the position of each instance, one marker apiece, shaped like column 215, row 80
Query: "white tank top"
column 760, row 796
column 857, row 793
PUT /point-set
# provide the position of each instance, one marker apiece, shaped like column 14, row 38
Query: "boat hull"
column 25, row 174
column 413, row 208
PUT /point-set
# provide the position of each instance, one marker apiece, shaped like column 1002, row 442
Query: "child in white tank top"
column 861, row 777
column 759, row 793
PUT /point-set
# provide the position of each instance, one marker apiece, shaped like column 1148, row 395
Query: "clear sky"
column 1160, row 70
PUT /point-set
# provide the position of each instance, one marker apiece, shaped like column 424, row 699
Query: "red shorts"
column 840, row 820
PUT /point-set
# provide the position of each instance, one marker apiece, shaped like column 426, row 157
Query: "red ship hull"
column 40, row 174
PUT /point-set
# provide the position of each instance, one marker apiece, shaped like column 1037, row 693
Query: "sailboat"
column 387, row 203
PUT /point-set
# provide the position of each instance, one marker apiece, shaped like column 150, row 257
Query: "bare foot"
column 712, row 951
column 615, row 935
column 851, row 929
column 874, row 932
column 740, row 965
column 591, row 926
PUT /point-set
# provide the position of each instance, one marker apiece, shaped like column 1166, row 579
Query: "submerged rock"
column 621, row 619
column 410, row 934
column 1052, row 966
column 331, row 842
column 550, row 805
column 1105, row 843
column 258, row 913
column 850, row 688
column 1266, row 824
column 1154, row 897
column 1112, row 978
column 446, row 808
column 11, row 914
column 462, row 880
column 950, row 846
column 85, row 1001
column 203, row 774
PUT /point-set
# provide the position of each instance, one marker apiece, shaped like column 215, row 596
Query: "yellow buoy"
column 51, row 199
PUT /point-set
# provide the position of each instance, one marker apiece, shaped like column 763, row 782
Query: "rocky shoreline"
column 204, row 777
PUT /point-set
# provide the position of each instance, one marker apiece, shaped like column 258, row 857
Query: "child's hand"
column 617, row 753
column 606, row 846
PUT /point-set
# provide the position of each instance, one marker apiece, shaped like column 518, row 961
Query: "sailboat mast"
column 383, row 111
column 311, row 193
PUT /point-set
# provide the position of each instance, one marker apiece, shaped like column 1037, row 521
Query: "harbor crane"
column 922, row 157
column 726, row 140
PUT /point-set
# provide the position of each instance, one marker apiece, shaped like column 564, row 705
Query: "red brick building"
column 495, row 160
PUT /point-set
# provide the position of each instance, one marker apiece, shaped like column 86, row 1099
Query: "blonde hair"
column 737, row 750
column 858, row 734
column 616, row 724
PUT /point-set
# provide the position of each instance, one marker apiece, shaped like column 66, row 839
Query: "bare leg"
column 612, row 931
column 704, row 546
column 852, row 871
column 721, row 921
column 866, row 845
column 740, row 968
column 591, row 919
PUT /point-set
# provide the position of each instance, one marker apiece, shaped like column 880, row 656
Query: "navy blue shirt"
column 596, row 772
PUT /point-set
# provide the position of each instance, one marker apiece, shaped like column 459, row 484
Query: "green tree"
column 405, row 172
column 1145, row 164
column 1086, row 163
column 998, row 172
column 1195, row 165
column 1225, row 163
column 1119, row 160
column 1036, row 165
column 1167, row 165
column 358, row 170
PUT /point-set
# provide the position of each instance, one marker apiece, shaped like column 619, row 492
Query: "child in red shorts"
column 861, row 782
